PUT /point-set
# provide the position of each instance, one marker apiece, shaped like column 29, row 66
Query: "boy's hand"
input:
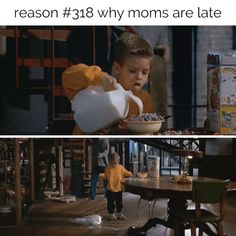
column 109, row 83
column 101, row 176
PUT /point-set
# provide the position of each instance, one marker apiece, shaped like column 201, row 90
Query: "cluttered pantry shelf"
column 16, row 180
column 50, row 62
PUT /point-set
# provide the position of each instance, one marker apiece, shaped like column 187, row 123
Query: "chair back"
column 209, row 191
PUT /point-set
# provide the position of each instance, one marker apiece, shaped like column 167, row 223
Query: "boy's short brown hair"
column 114, row 158
column 129, row 44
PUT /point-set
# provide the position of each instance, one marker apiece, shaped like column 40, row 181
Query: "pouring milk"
column 95, row 108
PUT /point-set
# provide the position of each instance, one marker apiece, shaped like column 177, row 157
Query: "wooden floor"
column 53, row 218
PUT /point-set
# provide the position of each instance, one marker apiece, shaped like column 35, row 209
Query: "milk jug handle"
column 131, row 96
column 138, row 102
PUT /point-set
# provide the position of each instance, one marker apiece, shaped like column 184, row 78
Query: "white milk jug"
column 153, row 166
column 95, row 109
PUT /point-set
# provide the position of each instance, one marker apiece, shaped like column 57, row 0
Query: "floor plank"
column 49, row 218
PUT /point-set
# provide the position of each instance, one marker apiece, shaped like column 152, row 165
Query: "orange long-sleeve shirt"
column 114, row 175
column 80, row 76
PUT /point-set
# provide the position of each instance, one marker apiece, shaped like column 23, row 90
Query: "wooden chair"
column 204, row 192
column 147, row 197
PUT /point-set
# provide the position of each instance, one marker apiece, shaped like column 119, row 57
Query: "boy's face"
column 133, row 73
column 114, row 163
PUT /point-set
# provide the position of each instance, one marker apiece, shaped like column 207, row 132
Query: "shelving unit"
column 76, row 150
column 39, row 65
column 17, row 179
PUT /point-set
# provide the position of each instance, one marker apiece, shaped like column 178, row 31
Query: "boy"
column 115, row 173
column 132, row 64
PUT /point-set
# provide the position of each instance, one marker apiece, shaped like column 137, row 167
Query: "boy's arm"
column 126, row 173
column 109, row 83
column 80, row 76
column 102, row 176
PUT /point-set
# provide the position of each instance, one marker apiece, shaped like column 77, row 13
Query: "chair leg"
column 138, row 207
column 193, row 229
column 154, row 203
column 220, row 229
column 150, row 213
column 200, row 232
column 149, row 209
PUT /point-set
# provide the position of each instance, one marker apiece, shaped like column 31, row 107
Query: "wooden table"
column 164, row 187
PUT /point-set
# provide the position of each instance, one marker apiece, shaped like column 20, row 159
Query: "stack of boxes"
column 221, row 95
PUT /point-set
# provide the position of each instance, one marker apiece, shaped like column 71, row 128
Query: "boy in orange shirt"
column 132, row 64
column 115, row 173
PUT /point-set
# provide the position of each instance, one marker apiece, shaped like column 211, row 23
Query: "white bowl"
column 144, row 127
column 142, row 175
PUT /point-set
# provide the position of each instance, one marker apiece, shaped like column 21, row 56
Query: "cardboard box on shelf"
column 221, row 92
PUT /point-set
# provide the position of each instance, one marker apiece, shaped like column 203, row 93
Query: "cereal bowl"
column 142, row 175
column 145, row 124
column 145, row 127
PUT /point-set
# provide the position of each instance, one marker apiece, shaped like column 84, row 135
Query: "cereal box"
column 221, row 92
